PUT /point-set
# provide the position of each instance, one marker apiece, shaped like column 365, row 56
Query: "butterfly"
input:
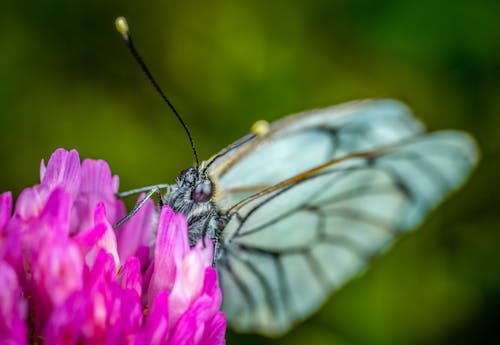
column 298, row 207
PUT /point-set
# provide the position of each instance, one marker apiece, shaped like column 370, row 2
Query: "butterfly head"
column 201, row 187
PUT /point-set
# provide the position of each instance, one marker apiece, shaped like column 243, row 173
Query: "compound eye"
column 203, row 192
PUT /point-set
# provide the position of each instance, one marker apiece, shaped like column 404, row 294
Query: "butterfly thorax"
column 192, row 196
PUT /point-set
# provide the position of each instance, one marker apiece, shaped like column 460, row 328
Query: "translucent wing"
column 301, row 142
column 289, row 246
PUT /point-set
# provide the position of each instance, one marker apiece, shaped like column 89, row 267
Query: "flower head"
column 69, row 278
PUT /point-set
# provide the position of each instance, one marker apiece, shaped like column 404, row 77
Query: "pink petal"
column 193, row 274
column 56, row 274
column 143, row 254
column 61, row 245
column 52, row 222
column 215, row 330
column 188, row 284
column 43, row 169
column 102, row 270
column 97, row 186
column 115, row 183
column 13, row 328
column 11, row 248
column 5, row 209
column 64, row 325
column 108, row 239
column 57, row 212
column 87, row 240
column 206, row 246
column 180, row 242
column 171, row 246
column 211, row 288
column 156, row 328
column 63, row 170
column 124, row 314
column 190, row 328
column 131, row 275
column 31, row 202
column 97, row 179
column 185, row 330
column 101, row 314
column 138, row 231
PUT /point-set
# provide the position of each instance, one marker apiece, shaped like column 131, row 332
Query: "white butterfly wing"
column 288, row 248
column 300, row 142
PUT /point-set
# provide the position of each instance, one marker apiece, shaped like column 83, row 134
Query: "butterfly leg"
column 214, row 235
column 161, row 202
column 138, row 206
column 141, row 190
column 205, row 227
column 217, row 248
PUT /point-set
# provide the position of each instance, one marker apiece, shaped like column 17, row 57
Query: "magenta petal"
column 124, row 314
column 64, row 325
column 58, row 252
column 201, row 321
column 100, row 236
column 97, row 186
column 215, row 330
column 131, row 275
column 143, row 254
column 97, row 179
column 115, row 183
column 188, row 283
column 156, row 328
column 56, row 272
column 131, row 316
column 190, row 328
column 43, row 169
column 5, row 209
column 52, row 222
column 137, row 232
column 185, row 330
column 63, row 170
column 102, row 270
column 31, row 202
column 57, row 212
column 108, row 239
column 211, row 287
column 171, row 246
column 87, row 240
column 101, row 313
column 40, row 204
column 11, row 249
column 206, row 247
column 13, row 328
column 179, row 240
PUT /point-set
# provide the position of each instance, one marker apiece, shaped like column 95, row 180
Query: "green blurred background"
column 67, row 80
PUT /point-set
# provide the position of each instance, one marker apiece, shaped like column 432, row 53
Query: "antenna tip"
column 260, row 128
column 122, row 26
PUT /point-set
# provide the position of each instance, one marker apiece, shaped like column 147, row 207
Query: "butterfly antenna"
column 122, row 27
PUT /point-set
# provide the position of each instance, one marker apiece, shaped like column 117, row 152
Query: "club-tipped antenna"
column 122, row 27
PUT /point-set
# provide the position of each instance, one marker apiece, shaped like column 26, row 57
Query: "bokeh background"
column 67, row 80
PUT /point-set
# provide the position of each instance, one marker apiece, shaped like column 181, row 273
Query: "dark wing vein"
column 333, row 202
column 341, row 174
column 268, row 291
column 247, row 295
column 316, row 269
